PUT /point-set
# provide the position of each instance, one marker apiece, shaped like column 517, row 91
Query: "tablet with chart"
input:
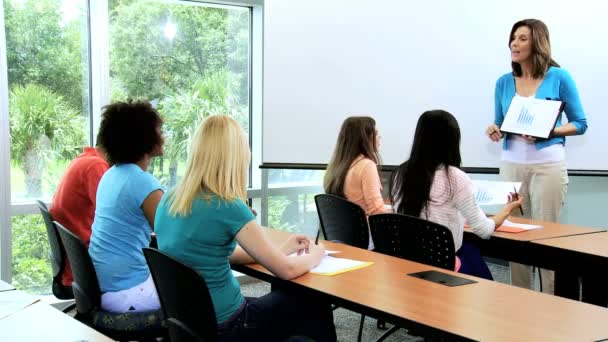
column 493, row 192
column 530, row 116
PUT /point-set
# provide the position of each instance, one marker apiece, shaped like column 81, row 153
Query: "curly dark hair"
column 129, row 131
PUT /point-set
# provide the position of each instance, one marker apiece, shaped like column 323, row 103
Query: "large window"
column 191, row 60
column 48, row 78
column 47, row 44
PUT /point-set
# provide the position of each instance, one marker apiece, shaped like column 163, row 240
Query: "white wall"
column 393, row 59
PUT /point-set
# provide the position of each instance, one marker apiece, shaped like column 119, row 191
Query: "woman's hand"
column 493, row 132
column 317, row 251
column 297, row 243
column 529, row 138
column 515, row 201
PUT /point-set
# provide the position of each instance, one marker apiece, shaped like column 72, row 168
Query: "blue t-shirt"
column 205, row 240
column 120, row 228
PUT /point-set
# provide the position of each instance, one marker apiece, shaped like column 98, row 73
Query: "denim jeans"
column 277, row 316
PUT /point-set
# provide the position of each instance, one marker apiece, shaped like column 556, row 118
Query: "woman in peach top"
column 352, row 172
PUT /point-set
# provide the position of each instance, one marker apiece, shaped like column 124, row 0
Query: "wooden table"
column 4, row 286
column 517, row 247
column 585, row 256
column 485, row 311
column 523, row 248
column 42, row 322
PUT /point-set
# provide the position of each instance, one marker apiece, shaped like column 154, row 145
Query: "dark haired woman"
column 127, row 198
column 352, row 172
column 538, row 163
column 431, row 185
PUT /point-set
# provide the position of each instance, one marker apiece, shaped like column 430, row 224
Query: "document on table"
column 512, row 227
column 530, row 116
column 13, row 301
column 331, row 266
column 493, row 192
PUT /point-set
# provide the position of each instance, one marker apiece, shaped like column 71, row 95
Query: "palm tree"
column 42, row 127
column 182, row 112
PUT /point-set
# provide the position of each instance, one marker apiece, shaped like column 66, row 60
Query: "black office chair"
column 342, row 221
column 414, row 239
column 58, row 259
column 345, row 222
column 179, row 332
column 184, row 298
column 129, row 326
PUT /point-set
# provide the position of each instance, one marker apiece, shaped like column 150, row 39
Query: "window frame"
column 99, row 90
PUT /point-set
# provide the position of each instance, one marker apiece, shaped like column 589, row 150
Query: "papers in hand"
column 512, row 227
column 493, row 192
column 530, row 116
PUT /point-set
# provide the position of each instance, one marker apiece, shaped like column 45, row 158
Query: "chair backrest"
column 183, row 294
column 57, row 251
column 179, row 332
column 85, row 286
column 413, row 238
column 342, row 221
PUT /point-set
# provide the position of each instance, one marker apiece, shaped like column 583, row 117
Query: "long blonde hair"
column 218, row 163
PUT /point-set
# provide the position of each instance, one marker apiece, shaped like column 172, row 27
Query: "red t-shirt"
column 74, row 202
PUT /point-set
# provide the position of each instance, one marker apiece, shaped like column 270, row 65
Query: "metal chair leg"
column 361, row 328
column 387, row 333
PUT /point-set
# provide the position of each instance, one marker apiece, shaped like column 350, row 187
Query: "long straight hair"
column 217, row 163
column 541, row 48
column 436, row 146
column 357, row 137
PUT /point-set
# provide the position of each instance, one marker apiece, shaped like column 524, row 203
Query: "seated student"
column 127, row 198
column 431, row 185
column 201, row 220
column 73, row 204
column 352, row 172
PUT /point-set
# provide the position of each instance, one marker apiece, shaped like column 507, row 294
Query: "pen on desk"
column 516, row 198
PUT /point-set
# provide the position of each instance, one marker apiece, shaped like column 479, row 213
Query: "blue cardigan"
column 557, row 85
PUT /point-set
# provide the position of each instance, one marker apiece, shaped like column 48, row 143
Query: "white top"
column 521, row 151
column 452, row 201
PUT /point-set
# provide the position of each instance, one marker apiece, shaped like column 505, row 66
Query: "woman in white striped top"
column 431, row 185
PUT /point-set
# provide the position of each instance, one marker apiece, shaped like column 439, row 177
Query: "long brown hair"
column 436, row 147
column 541, row 48
column 357, row 137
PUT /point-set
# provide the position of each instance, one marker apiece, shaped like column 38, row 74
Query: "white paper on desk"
column 530, row 116
column 508, row 223
column 330, row 265
column 13, row 301
column 493, row 192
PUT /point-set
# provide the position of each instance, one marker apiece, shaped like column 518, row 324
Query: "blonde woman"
column 200, row 223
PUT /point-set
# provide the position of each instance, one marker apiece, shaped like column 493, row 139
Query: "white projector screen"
column 325, row 60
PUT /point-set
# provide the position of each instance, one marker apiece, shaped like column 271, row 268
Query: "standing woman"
column 352, row 172
column 538, row 163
